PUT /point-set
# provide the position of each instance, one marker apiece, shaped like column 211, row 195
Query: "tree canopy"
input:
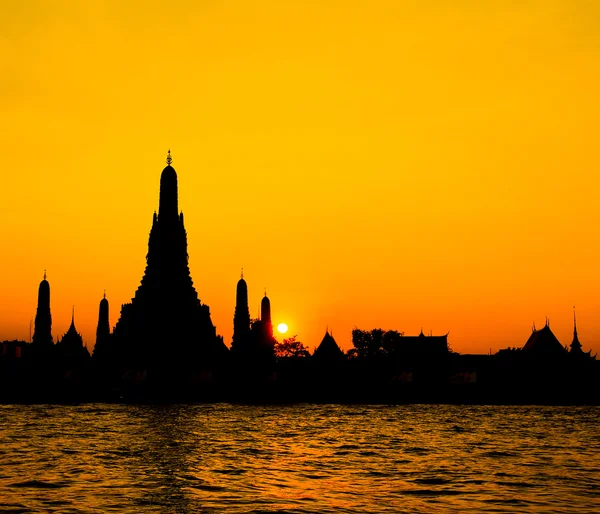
column 291, row 347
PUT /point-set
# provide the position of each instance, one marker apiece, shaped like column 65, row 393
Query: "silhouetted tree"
column 391, row 341
column 291, row 347
column 369, row 344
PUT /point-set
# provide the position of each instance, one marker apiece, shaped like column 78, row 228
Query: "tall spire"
column 166, row 327
column 73, row 317
column 42, row 333
column 265, row 308
column 265, row 314
column 241, row 317
column 575, row 344
column 101, row 348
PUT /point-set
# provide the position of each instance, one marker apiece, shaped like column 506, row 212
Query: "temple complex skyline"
column 431, row 165
column 166, row 310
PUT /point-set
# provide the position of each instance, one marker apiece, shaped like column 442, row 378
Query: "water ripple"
column 298, row 459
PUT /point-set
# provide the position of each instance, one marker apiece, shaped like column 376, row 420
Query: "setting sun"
column 282, row 328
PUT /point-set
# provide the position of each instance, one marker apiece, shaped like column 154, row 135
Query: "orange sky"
column 390, row 164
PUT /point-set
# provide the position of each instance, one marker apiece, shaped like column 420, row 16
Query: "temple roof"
column 575, row 344
column 423, row 344
column 328, row 349
column 72, row 337
column 71, row 344
column 543, row 341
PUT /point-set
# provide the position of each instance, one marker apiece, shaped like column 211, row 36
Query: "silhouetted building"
column 241, row 318
column 575, row 344
column 42, row 335
column 103, row 329
column 265, row 315
column 328, row 350
column 103, row 339
column 71, row 344
column 262, row 346
column 576, row 347
column 166, row 328
column 423, row 344
column 544, row 341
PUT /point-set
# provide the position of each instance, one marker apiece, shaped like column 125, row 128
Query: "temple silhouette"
column 166, row 331
column 164, row 346
column 42, row 336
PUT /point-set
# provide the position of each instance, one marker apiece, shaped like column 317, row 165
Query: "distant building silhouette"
column 262, row 342
column 71, row 344
column 103, row 339
column 241, row 318
column 423, row 344
column 575, row 344
column 576, row 347
column 328, row 349
column 544, row 341
column 262, row 329
column 265, row 315
column 165, row 327
column 103, row 329
column 42, row 335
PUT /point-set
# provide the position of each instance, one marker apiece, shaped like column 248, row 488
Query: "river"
column 299, row 458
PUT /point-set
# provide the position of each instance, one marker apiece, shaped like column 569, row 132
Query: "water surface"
column 300, row 458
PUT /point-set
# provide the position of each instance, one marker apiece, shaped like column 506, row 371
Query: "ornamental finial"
column 169, row 158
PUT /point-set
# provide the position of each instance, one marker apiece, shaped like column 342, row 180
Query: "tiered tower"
column 165, row 326
column 102, row 346
column 241, row 318
column 575, row 344
column 265, row 315
column 42, row 335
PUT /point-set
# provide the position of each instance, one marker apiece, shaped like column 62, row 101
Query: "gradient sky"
column 393, row 164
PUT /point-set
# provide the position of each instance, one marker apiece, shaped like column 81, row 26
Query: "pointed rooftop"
column 575, row 344
column 544, row 341
column 328, row 349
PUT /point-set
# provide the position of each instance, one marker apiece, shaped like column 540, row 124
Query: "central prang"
column 166, row 331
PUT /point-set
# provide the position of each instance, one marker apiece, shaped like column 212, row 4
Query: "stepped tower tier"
column 165, row 325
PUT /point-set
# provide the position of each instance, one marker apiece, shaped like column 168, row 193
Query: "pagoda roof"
column 543, row 341
column 423, row 344
column 328, row 348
